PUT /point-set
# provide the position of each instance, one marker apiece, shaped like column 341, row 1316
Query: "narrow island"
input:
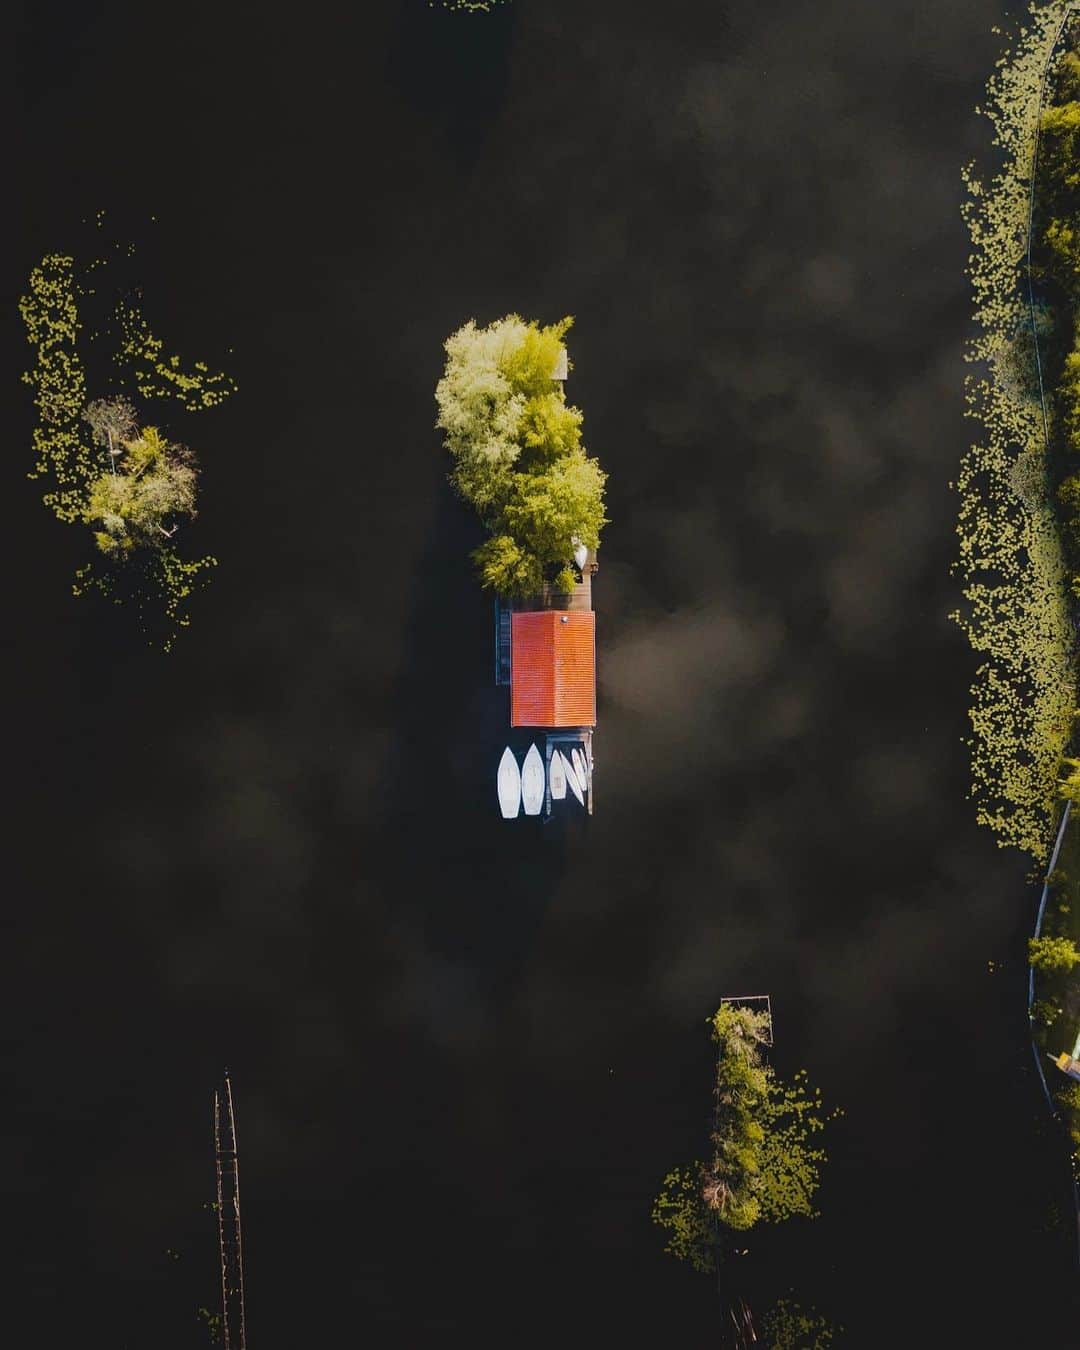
column 103, row 384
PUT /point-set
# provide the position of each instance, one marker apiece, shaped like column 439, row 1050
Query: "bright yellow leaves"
column 1010, row 559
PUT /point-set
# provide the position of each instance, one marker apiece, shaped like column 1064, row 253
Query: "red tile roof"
column 553, row 668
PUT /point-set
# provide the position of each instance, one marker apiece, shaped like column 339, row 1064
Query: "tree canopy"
column 517, row 454
column 1052, row 953
column 139, row 499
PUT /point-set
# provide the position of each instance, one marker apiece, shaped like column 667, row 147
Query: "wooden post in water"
column 227, row 1168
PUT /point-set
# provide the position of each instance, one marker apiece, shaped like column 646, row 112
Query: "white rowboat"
column 509, row 785
column 532, row 782
column 557, row 777
column 572, row 779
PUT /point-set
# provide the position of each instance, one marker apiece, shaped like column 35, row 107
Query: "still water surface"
column 464, row 1052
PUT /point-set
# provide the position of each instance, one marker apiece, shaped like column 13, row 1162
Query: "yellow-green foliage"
column 1069, row 1100
column 788, row 1326
column 156, row 583
column 135, row 503
column 1010, row 559
column 467, row 6
column 158, row 375
column 517, row 453
column 1052, row 953
column 132, row 490
column 691, row 1228
column 790, row 1166
column 763, row 1166
column 62, row 446
column 505, row 566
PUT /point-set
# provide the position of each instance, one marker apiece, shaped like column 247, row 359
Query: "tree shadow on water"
column 474, row 883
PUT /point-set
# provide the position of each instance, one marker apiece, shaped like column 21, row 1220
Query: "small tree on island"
column 518, row 457
column 763, row 1166
column 148, row 488
column 133, row 487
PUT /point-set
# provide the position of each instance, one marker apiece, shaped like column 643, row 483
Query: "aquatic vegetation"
column 790, row 1326
column 134, row 488
column 1010, row 561
column 158, row 375
column 50, row 312
column 467, row 6
column 763, row 1167
column 517, row 453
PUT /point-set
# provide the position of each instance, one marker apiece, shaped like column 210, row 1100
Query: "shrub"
column 1049, row 954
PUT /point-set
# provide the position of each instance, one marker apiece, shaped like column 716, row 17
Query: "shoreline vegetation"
column 1019, row 522
column 1011, row 561
column 105, row 463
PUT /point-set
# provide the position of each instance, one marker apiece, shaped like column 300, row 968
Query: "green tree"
column 139, row 501
column 517, row 453
column 546, row 510
column 507, row 568
column 479, row 410
column 731, row 1183
column 1050, row 954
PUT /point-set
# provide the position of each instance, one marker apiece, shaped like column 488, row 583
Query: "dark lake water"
column 465, row 1052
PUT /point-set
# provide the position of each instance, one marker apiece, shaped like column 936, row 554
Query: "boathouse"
column 545, row 650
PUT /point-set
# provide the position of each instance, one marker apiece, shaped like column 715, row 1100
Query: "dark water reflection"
column 465, row 1054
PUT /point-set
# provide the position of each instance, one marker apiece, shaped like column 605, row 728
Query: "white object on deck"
column 532, row 782
column 557, row 777
column 509, row 785
column 572, row 779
